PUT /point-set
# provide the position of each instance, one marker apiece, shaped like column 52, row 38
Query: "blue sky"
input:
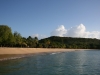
column 43, row 17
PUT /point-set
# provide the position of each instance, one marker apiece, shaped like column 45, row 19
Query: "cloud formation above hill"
column 60, row 31
column 77, row 31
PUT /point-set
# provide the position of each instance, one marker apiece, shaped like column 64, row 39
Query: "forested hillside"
column 70, row 42
column 9, row 39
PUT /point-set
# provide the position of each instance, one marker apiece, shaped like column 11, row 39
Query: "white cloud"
column 94, row 34
column 39, row 36
column 77, row 31
column 60, row 31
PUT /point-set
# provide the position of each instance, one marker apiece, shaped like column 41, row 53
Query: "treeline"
column 9, row 39
column 70, row 42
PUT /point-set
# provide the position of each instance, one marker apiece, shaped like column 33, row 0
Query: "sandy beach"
column 15, row 52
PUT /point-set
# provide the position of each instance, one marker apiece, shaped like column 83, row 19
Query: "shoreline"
column 14, row 53
column 7, row 50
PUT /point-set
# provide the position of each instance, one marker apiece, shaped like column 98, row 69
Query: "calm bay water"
column 68, row 63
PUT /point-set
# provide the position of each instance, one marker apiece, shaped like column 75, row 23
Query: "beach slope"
column 33, row 50
column 6, row 53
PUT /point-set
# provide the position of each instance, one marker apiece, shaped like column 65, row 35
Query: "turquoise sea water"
column 68, row 63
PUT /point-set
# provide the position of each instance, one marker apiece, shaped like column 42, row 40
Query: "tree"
column 11, row 40
column 36, row 40
column 6, row 36
column 24, row 42
column 18, row 39
column 30, row 41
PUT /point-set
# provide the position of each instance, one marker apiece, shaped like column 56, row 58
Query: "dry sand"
column 33, row 50
column 15, row 52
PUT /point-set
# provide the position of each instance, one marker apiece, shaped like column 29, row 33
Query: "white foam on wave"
column 53, row 53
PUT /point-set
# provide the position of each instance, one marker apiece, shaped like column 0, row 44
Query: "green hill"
column 70, row 42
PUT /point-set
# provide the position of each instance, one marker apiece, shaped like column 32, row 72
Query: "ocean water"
column 64, row 63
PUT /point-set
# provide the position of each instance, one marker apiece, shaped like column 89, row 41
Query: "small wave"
column 53, row 53
column 56, row 53
column 12, row 58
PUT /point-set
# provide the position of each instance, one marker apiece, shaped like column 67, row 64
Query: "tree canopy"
column 6, row 36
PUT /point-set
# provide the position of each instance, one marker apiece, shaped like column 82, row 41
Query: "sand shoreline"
column 33, row 50
column 13, row 53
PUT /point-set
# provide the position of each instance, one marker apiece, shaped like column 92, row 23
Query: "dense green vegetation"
column 9, row 39
column 70, row 42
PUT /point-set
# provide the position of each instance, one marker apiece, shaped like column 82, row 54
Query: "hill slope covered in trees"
column 70, row 42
